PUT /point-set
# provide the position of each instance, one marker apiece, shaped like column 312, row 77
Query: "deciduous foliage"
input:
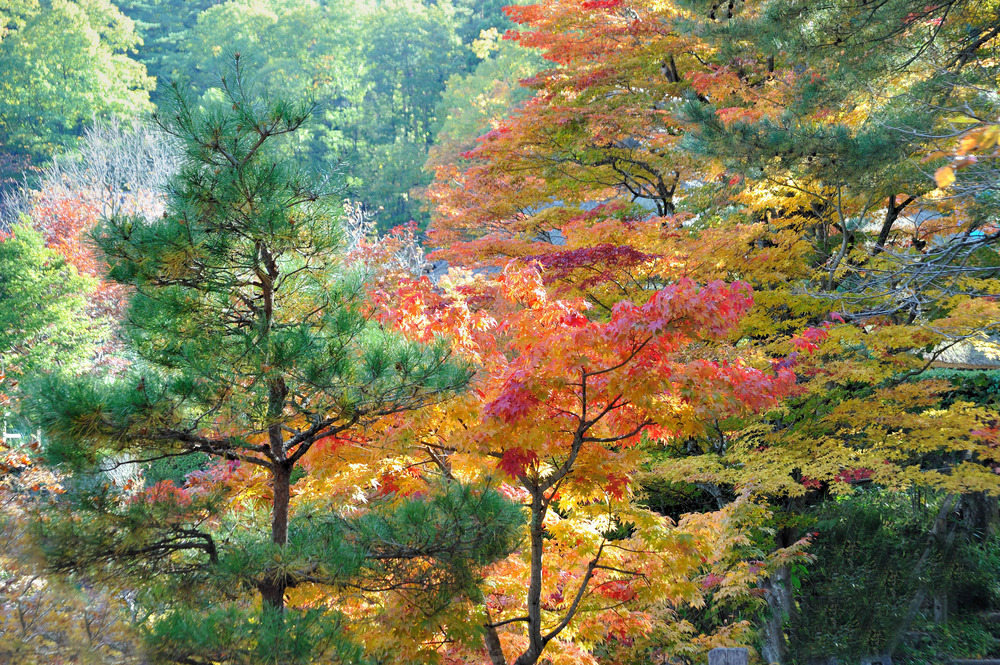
column 600, row 124
column 117, row 168
column 409, row 50
column 794, row 225
column 161, row 24
column 43, row 324
column 715, row 249
column 375, row 70
column 45, row 620
column 563, row 411
column 477, row 102
column 724, row 142
column 859, row 176
column 65, row 62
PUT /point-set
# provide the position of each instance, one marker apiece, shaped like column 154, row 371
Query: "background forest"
column 376, row 71
column 604, row 331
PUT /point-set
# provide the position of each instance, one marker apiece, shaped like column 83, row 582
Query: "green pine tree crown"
column 252, row 341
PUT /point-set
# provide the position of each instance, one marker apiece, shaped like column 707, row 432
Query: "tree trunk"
column 530, row 656
column 728, row 656
column 980, row 514
column 892, row 211
column 272, row 587
column 778, row 594
column 941, row 536
column 493, row 647
column 940, row 607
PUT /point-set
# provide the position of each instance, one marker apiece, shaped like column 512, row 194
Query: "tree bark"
column 941, row 535
column 980, row 514
column 892, row 211
column 272, row 587
column 535, row 646
column 728, row 656
column 493, row 647
column 777, row 593
column 282, row 492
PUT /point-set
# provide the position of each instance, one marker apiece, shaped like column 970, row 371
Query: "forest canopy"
column 599, row 332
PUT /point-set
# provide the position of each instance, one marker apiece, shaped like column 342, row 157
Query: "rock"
column 971, row 354
column 728, row 656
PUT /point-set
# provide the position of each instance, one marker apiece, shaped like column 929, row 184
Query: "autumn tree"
column 858, row 177
column 476, row 102
column 116, row 168
column 564, row 412
column 711, row 141
column 46, row 329
column 846, row 166
column 600, row 125
column 253, row 346
column 46, row 620
column 828, row 125
column 791, row 223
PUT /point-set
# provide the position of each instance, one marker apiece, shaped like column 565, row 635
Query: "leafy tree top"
column 64, row 62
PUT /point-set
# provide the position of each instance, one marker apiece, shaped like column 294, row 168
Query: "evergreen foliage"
column 162, row 24
column 708, row 254
column 409, row 50
column 871, row 561
column 253, row 343
column 375, row 70
column 838, row 104
column 473, row 103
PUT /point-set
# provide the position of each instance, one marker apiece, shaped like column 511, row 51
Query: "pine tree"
column 253, row 344
column 845, row 109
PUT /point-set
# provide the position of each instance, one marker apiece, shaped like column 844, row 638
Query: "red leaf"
column 515, row 461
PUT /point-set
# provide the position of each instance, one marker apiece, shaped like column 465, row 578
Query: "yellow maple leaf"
column 944, row 176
